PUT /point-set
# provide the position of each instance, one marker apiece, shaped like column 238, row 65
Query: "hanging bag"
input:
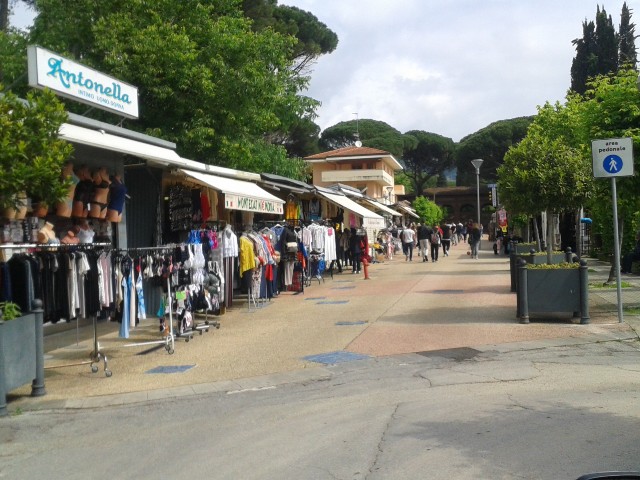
column 292, row 247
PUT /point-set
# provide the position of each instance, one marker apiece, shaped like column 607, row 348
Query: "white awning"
column 94, row 138
column 384, row 208
column 408, row 210
column 349, row 204
column 240, row 195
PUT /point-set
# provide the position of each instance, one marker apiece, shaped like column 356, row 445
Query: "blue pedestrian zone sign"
column 612, row 157
column 612, row 164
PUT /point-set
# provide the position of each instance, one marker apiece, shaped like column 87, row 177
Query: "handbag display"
column 292, row 247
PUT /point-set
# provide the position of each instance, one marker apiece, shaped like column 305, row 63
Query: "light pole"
column 476, row 163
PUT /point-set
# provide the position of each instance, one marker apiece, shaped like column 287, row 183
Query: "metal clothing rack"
column 169, row 340
column 96, row 355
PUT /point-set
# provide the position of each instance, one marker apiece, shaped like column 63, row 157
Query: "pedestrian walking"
column 346, row 246
column 446, row 239
column 474, row 240
column 424, row 232
column 408, row 241
column 435, row 243
column 356, row 250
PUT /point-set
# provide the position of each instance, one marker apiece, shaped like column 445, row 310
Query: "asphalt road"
column 539, row 412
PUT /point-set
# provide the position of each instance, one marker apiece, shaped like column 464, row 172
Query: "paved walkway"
column 405, row 308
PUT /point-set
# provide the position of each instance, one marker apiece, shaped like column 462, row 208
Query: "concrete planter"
column 557, row 290
column 21, row 355
column 534, row 259
column 523, row 247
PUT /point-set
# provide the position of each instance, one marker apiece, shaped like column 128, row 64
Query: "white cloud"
column 446, row 66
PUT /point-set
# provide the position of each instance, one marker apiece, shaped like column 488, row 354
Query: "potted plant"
column 535, row 258
column 31, row 154
column 559, row 288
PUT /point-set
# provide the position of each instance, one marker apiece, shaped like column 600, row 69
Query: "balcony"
column 361, row 176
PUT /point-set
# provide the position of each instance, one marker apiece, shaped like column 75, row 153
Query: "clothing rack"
column 169, row 340
column 95, row 357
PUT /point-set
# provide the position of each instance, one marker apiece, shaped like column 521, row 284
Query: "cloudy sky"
column 445, row 66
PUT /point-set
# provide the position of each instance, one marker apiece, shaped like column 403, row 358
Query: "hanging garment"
column 142, row 312
column 126, row 316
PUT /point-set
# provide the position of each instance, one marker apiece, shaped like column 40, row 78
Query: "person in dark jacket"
column 424, row 233
column 356, row 251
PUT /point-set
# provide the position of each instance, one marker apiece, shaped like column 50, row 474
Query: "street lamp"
column 476, row 163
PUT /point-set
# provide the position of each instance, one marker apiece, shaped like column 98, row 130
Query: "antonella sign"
column 75, row 81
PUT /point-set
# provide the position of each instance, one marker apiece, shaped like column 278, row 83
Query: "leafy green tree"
column 611, row 109
column 402, row 179
column 430, row 213
column 372, row 133
column 13, row 50
column 627, row 55
column 430, row 156
column 545, row 172
column 302, row 138
column 31, row 154
column 490, row 144
column 206, row 80
column 314, row 38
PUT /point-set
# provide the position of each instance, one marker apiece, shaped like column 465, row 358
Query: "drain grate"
column 333, row 358
column 171, row 369
column 332, row 302
column 349, row 287
column 359, row 322
column 315, row 298
column 457, row 354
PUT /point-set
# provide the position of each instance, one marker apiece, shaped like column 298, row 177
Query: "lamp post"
column 476, row 163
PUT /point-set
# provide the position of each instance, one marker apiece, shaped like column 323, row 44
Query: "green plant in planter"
column 10, row 310
column 553, row 266
column 31, row 153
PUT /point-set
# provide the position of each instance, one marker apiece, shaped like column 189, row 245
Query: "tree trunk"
column 536, row 232
column 550, row 234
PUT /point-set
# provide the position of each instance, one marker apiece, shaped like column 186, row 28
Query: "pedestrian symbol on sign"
column 612, row 164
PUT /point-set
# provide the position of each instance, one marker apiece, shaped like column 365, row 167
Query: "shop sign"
column 77, row 82
column 250, row 204
column 373, row 222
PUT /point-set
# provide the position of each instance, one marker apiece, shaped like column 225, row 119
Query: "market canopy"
column 240, row 195
column 408, row 210
column 347, row 203
column 383, row 207
column 101, row 139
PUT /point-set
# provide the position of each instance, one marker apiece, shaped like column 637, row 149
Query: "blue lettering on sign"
column 68, row 78
column 612, row 164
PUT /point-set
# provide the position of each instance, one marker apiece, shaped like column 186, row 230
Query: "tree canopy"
column 429, row 155
column 601, row 50
column 429, row 212
column 490, row 143
column 372, row 133
column 220, row 78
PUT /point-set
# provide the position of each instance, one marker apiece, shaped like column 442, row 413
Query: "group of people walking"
column 426, row 238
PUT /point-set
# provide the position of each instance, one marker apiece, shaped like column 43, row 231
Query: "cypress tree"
column 606, row 43
column 585, row 62
column 627, row 46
